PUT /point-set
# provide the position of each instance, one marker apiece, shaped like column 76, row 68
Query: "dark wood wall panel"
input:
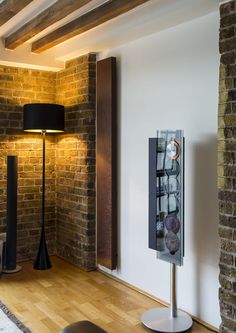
column 106, row 164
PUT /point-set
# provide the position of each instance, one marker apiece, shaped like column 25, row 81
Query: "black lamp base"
column 42, row 261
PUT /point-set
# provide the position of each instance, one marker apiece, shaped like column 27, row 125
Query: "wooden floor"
column 47, row 301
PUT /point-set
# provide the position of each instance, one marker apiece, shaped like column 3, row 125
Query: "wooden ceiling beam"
column 93, row 18
column 49, row 16
column 9, row 8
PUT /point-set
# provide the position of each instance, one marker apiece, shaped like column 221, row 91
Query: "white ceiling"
column 153, row 16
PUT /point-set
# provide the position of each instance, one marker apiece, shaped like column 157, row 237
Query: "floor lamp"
column 43, row 118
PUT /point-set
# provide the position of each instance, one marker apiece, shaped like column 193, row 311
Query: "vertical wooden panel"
column 106, row 164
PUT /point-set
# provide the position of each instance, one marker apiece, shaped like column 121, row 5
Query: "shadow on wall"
column 205, row 212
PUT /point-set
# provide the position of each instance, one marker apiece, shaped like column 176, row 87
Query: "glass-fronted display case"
column 166, row 195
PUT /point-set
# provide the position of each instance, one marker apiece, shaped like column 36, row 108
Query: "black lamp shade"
column 40, row 117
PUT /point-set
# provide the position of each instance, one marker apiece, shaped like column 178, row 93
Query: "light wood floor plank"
column 46, row 301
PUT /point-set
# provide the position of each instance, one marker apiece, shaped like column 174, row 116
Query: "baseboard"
column 197, row 320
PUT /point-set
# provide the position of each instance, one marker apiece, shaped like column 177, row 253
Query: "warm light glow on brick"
column 70, row 159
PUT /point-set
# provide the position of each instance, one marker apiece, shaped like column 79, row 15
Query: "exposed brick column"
column 227, row 166
column 75, row 165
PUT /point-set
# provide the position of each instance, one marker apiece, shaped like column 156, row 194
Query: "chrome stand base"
column 160, row 320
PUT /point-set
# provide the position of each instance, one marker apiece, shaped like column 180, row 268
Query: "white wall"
column 170, row 80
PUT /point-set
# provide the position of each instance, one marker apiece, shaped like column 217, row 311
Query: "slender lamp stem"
column 43, row 180
column 43, row 260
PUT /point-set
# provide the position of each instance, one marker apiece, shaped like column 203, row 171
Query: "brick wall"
column 75, row 166
column 227, row 166
column 17, row 87
column 70, row 160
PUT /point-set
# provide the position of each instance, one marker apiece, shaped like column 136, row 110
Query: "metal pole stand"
column 42, row 260
column 168, row 320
